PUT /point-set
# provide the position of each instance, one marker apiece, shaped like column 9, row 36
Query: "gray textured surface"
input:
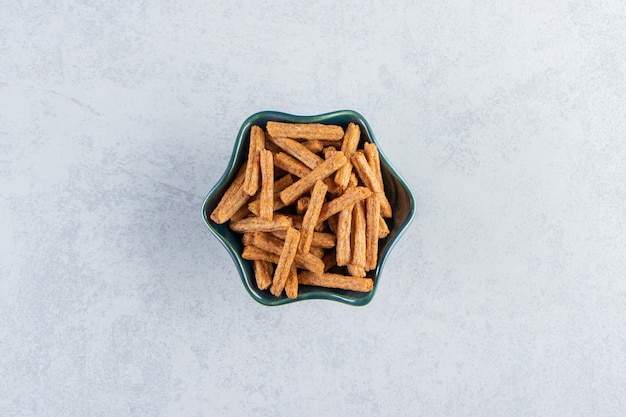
column 505, row 297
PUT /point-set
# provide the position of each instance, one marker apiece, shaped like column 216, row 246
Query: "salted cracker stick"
column 241, row 213
column 383, row 229
column 350, row 143
column 298, row 151
column 344, row 226
column 302, row 204
column 285, row 261
column 372, row 226
column 283, row 182
column 304, row 130
column 263, row 272
column 365, row 172
column 350, row 197
column 356, row 270
column 266, row 201
column 373, row 159
column 290, row 164
column 252, row 253
column 257, row 142
column 314, row 146
column 233, row 199
column 311, row 215
column 295, row 190
column 330, row 280
column 291, row 286
column 368, row 177
column 246, row 239
column 358, row 235
column 256, row 224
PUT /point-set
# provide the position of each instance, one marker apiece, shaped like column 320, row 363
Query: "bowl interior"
column 397, row 192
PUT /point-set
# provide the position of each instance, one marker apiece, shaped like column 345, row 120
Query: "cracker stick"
column 233, row 199
column 314, row 146
column 305, row 131
column 343, row 237
column 263, row 272
column 280, row 184
column 372, row 223
column 321, row 240
column 246, row 239
column 302, row 204
column 285, row 261
column 241, row 213
column 324, row 240
column 283, row 182
column 373, row 159
column 257, row 142
column 310, row 217
column 274, row 245
column 333, row 188
column 383, row 229
column 356, row 270
column 365, row 172
column 290, row 164
column 266, row 201
column 350, row 143
column 358, row 235
column 295, row 190
column 256, row 224
column 330, row 280
column 252, row 253
column 350, row 197
column 329, row 151
column 291, row 286
column 369, row 178
column 299, row 151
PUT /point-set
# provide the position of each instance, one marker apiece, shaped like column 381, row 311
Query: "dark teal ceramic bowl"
column 397, row 191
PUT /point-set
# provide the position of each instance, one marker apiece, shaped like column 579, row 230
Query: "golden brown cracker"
column 330, row 280
column 304, row 130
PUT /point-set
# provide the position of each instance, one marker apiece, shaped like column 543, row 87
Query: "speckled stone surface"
column 506, row 296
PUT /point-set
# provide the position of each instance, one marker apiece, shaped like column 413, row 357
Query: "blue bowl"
column 396, row 189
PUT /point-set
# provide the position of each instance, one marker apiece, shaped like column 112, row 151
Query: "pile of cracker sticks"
column 310, row 207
